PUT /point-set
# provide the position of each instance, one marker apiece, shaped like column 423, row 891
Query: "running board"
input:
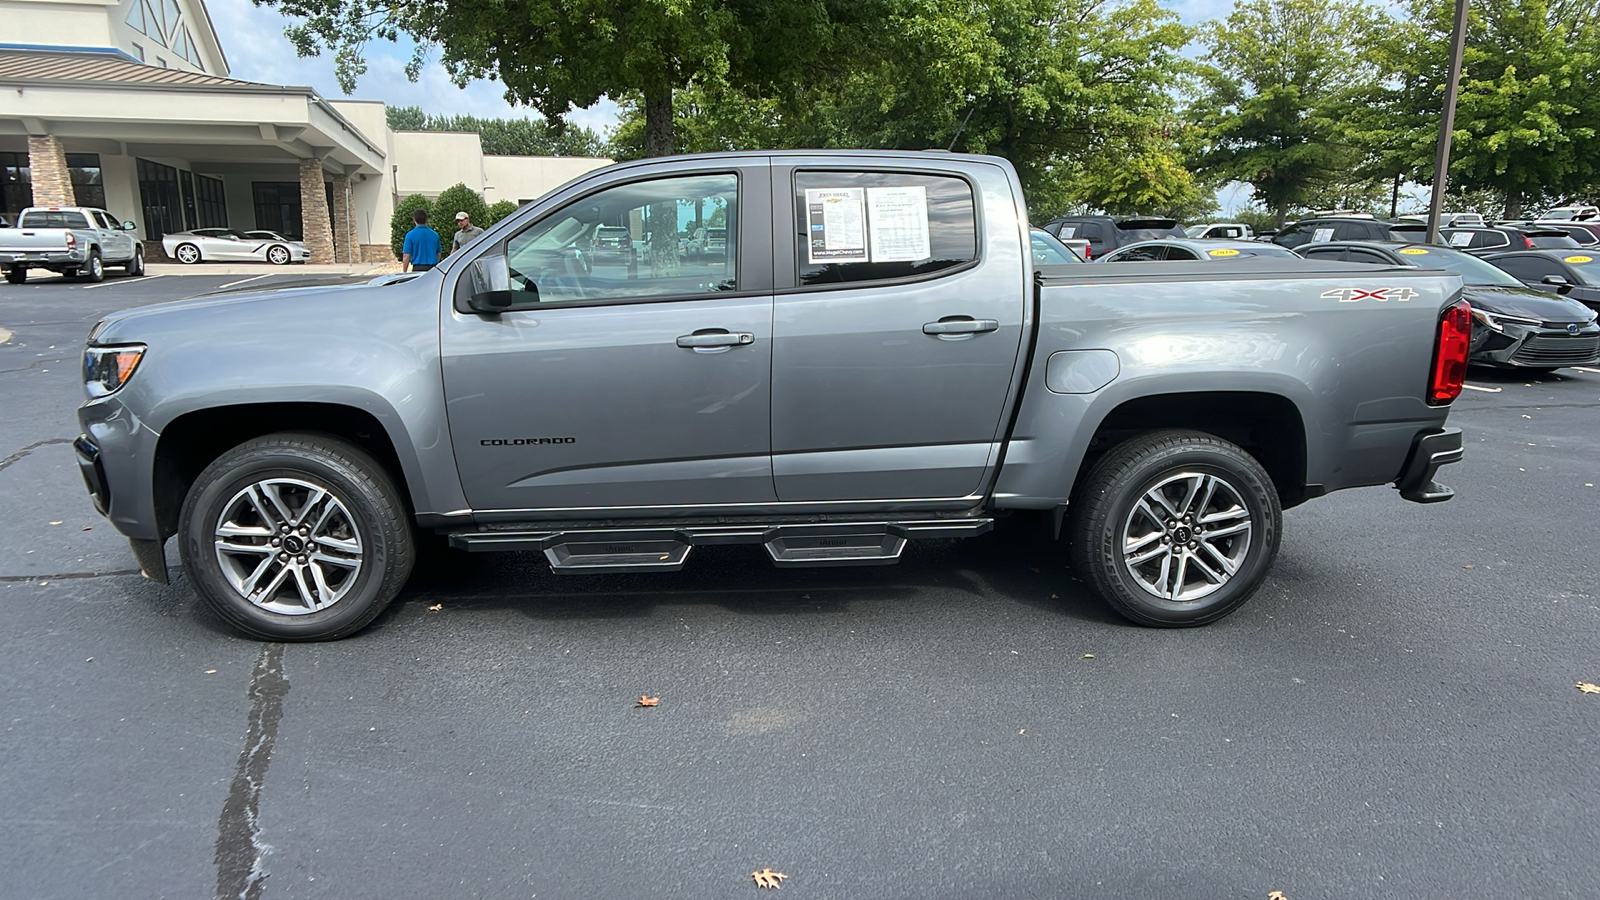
column 666, row 549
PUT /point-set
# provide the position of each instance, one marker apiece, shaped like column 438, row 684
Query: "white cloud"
column 252, row 37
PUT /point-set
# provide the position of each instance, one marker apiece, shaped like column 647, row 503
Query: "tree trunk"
column 1394, row 198
column 1513, row 204
column 658, row 121
column 1283, row 213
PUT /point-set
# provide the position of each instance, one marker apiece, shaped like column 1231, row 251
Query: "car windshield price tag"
column 898, row 218
column 1321, row 234
column 1223, row 252
column 837, row 220
column 1461, row 239
column 1579, row 259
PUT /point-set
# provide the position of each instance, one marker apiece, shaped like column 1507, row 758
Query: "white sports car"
column 227, row 244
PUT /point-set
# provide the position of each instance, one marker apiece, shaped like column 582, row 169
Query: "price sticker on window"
column 1579, row 259
column 1223, row 251
column 1414, row 251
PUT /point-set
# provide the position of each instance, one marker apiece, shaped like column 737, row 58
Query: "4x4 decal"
column 1382, row 295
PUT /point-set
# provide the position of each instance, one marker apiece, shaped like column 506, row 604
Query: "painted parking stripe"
column 242, row 281
column 1587, row 369
column 1486, row 390
column 106, row 284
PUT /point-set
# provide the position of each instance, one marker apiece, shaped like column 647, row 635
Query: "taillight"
column 1450, row 354
column 1528, row 240
column 72, row 239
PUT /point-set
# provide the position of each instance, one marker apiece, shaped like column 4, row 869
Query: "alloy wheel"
column 289, row 546
column 1186, row 537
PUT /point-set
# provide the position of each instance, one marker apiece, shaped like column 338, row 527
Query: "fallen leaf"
column 648, row 701
column 57, row 522
column 1527, row 417
column 1033, row 569
column 1588, row 688
column 1055, row 596
column 768, row 879
column 1277, row 895
column 1088, row 656
column 88, row 528
column 1469, row 566
column 211, row 671
column 1022, row 731
column 436, row 607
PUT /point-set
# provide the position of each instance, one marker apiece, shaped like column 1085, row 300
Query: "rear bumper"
column 43, row 259
column 1429, row 452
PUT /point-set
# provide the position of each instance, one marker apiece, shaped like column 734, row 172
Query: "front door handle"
column 959, row 327
column 714, row 338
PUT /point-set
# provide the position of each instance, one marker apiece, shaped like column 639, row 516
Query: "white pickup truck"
column 77, row 241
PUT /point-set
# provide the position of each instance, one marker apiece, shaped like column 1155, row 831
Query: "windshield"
column 1550, row 241
column 54, row 218
column 1129, row 235
column 1195, row 231
column 1471, row 269
column 1047, row 251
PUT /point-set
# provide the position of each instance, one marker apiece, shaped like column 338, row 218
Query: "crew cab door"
column 631, row 380
column 897, row 328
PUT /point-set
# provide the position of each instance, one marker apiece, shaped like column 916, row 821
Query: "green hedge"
column 401, row 222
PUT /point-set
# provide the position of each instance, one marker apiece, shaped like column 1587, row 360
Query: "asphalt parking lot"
column 1394, row 715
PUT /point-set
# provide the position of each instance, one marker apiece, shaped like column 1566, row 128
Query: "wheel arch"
column 194, row 439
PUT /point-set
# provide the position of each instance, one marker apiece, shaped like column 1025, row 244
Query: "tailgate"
column 33, row 240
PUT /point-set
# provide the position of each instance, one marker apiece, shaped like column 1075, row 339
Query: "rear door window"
column 54, row 218
column 882, row 226
column 1367, row 256
column 1531, row 269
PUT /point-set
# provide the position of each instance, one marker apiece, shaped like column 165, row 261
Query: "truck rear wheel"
column 93, row 268
column 296, row 537
column 16, row 275
column 1175, row 528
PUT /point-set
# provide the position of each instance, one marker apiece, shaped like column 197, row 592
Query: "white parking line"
column 1486, row 390
column 105, row 284
column 241, row 281
column 1587, row 369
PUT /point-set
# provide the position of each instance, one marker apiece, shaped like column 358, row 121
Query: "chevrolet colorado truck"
column 76, row 241
column 875, row 358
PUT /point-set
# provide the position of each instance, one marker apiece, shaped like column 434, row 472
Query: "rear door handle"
column 958, row 327
column 715, row 338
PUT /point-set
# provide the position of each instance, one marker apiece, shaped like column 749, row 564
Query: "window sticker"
column 1461, row 239
column 1068, row 231
column 1322, row 234
column 898, row 221
column 1223, row 251
column 1579, row 259
column 837, row 218
column 1414, row 251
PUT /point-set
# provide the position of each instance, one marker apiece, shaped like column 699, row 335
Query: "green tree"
column 557, row 54
column 507, row 137
column 1276, row 79
column 457, row 198
column 1529, row 107
column 499, row 210
column 406, row 118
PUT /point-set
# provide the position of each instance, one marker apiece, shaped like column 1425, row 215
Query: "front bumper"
column 1430, row 451
column 1547, row 346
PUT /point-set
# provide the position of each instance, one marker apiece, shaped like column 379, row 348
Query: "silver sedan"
column 230, row 245
column 1195, row 249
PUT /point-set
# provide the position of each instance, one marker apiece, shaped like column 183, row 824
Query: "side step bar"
column 667, row 549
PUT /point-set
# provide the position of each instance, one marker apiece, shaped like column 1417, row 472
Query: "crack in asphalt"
column 241, row 855
column 37, row 364
column 65, row 576
column 18, row 456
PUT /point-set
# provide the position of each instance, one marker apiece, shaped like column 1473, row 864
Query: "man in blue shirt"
column 420, row 252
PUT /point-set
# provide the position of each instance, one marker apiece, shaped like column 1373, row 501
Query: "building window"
column 16, row 184
column 278, row 207
column 162, row 201
column 186, row 178
column 87, row 185
column 213, row 202
column 139, row 51
column 161, row 62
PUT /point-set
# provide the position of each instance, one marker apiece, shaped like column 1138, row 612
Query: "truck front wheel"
column 296, row 537
column 1175, row 528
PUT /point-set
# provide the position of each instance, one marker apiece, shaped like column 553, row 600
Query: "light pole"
column 1452, row 88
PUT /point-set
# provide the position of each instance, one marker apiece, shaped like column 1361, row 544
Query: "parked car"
column 1496, row 238
column 77, row 241
column 1447, row 220
column 1346, row 228
column 707, row 242
column 1230, row 230
column 1571, row 213
column 612, row 243
column 845, row 393
column 1587, row 234
column 1107, row 233
column 1514, row 326
column 1574, row 275
column 1209, row 250
column 1049, row 250
column 232, row 245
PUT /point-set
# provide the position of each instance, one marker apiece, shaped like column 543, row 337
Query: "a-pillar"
column 315, row 229
column 346, row 248
column 52, row 180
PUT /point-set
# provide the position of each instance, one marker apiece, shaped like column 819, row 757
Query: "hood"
column 315, row 300
column 1521, row 301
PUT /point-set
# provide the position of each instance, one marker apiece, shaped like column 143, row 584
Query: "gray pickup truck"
column 77, row 241
column 875, row 358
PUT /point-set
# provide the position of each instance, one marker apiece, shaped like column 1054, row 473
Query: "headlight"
column 105, row 369
column 1499, row 321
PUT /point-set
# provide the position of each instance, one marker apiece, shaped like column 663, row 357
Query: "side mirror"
column 491, row 287
column 1559, row 281
column 129, row 226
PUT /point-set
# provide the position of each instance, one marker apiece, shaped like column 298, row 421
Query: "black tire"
column 278, row 255
column 93, row 268
column 135, row 266
column 188, row 254
column 16, row 275
column 371, row 506
column 1106, row 513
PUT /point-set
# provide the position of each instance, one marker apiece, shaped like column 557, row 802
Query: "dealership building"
column 127, row 105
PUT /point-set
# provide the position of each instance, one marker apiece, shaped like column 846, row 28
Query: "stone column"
column 344, row 247
column 315, row 229
column 52, row 180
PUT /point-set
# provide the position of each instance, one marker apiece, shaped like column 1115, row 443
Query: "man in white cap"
column 465, row 232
